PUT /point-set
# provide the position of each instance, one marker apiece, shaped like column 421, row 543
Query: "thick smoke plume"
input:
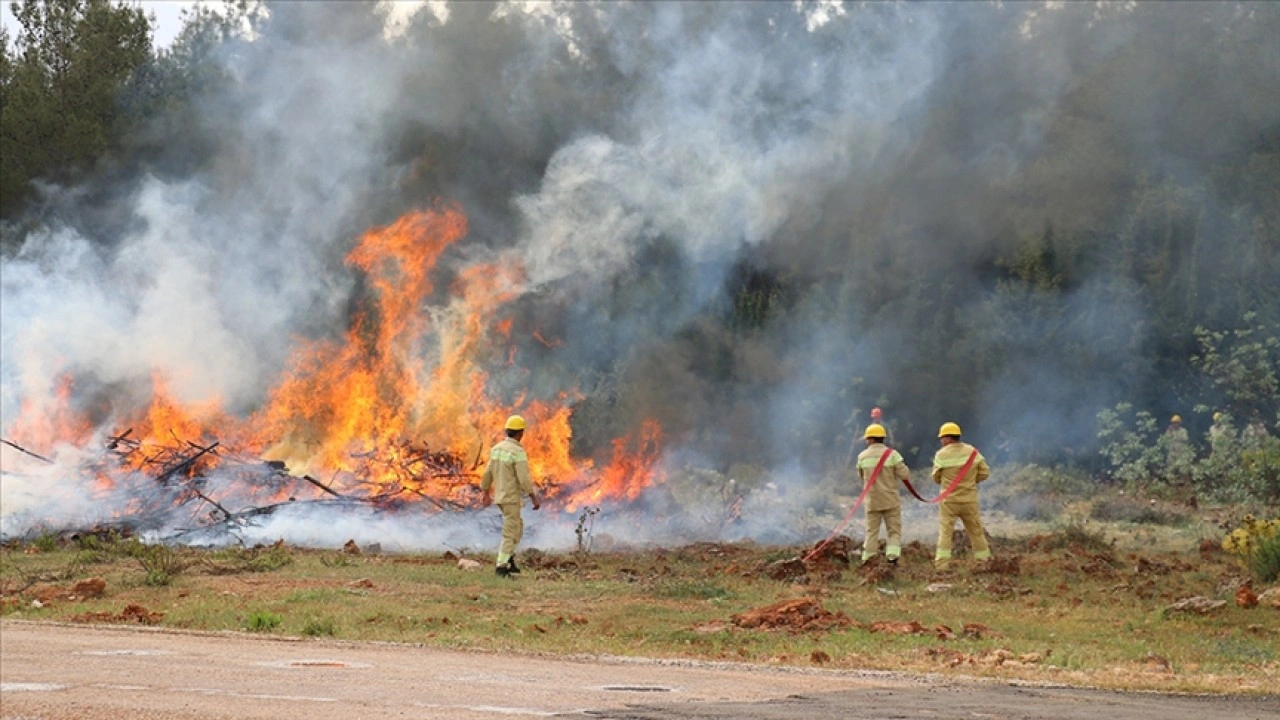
column 749, row 222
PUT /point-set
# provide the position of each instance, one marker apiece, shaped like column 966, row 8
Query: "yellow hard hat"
column 1217, row 416
column 874, row 430
column 1176, row 418
column 515, row 422
column 949, row 428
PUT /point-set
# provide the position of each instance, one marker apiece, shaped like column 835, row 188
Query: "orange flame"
column 405, row 372
column 55, row 421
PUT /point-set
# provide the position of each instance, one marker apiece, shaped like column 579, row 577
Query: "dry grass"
column 1074, row 612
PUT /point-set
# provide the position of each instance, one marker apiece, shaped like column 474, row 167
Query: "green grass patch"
column 263, row 621
column 316, row 627
column 695, row 590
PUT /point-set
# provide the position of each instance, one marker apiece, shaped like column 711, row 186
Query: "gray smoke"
column 646, row 162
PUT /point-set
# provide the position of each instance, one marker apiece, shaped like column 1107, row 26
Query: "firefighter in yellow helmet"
column 962, row 503
column 882, row 503
column 877, row 418
column 506, row 481
column 1179, row 455
column 1222, row 436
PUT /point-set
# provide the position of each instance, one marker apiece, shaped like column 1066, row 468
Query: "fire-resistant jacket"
column 946, row 465
column 884, row 494
column 507, row 473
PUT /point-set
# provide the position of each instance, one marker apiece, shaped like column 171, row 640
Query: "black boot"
column 503, row 571
column 511, row 566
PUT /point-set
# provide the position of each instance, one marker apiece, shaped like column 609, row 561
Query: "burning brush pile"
column 396, row 414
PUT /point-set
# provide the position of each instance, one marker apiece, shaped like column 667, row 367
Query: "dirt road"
column 56, row 672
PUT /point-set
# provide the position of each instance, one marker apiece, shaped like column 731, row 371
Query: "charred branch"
column 23, row 450
column 186, row 463
column 323, row 487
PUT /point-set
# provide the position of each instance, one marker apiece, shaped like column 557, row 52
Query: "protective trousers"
column 512, row 531
column 892, row 519
column 967, row 513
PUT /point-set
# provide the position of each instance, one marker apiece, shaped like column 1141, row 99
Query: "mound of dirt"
column 91, row 588
column 876, row 571
column 130, row 614
column 898, row 628
column 841, row 549
column 788, row 570
column 535, row 559
column 82, row 590
column 799, row 615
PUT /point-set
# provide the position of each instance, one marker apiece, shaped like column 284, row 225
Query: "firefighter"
column 882, row 503
column 1176, row 433
column 506, row 481
column 962, row 503
column 1221, row 435
column 877, row 418
column 1179, row 455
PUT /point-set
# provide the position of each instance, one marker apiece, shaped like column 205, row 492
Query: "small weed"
column 89, row 557
column 336, row 561
column 131, row 548
column 157, row 578
column 263, row 621
column 1264, row 560
column 273, row 559
column 160, row 563
column 315, row 627
column 248, row 560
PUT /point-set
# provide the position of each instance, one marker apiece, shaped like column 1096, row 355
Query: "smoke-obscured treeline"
column 751, row 221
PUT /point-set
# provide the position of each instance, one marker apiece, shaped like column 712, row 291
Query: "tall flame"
column 406, row 379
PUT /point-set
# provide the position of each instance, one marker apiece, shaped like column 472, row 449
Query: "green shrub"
column 89, row 557
column 46, row 541
column 157, row 578
column 271, row 559
column 1264, row 560
column 263, row 621
column 161, row 563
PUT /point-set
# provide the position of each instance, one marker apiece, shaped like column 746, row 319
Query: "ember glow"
column 398, row 407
